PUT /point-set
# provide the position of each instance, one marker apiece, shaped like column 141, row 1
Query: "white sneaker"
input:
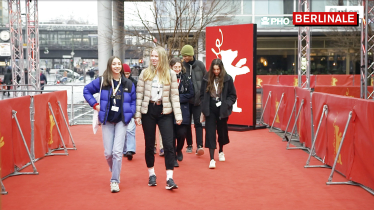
column 114, row 187
column 212, row 164
column 221, row 157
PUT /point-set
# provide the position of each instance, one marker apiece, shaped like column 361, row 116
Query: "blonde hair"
column 162, row 67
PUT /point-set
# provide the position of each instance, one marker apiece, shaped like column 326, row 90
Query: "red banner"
column 237, row 57
column 332, row 129
column 266, row 80
column 292, row 80
column 266, row 110
column 350, row 91
column 363, row 162
column 6, row 144
column 335, row 80
column 46, row 134
column 304, row 122
column 356, row 80
column 285, row 109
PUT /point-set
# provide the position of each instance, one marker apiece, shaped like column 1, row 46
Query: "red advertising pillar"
column 235, row 45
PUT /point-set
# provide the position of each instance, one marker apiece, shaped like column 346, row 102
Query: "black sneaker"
column 189, row 149
column 176, row 164
column 179, row 155
column 171, row 185
column 200, row 151
column 129, row 155
column 152, row 181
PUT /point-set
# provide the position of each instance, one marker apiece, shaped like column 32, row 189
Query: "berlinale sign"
column 325, row 19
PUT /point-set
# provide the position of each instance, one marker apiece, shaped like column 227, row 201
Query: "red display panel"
column 238, row 59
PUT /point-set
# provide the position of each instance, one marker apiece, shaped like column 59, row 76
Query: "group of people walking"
column 168, row 94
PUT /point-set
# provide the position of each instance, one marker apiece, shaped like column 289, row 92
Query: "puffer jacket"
column 170, row 97
column 195, row 72
column 128, row 98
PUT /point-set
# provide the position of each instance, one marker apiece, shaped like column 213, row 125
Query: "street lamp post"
column 72, row 59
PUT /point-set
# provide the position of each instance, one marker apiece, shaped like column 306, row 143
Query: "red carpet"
column 259, row 173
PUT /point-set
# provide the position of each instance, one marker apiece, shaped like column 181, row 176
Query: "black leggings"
column 165, row 122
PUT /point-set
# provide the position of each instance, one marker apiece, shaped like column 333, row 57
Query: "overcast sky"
column 82, row 9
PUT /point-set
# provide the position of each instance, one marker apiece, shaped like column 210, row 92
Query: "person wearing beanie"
column 195, row 71
column 130, row 141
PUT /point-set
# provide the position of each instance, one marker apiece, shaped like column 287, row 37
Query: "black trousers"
column 180, row 133
column 164, row 122
column 215, row 125
column 196, row 112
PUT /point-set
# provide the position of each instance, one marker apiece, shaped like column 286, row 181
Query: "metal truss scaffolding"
column 367, row 48
column 32, row 23
column 303, row 65
column 16, row 42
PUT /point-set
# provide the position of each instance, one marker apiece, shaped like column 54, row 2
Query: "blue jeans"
column 130, row 142
column 114, row 139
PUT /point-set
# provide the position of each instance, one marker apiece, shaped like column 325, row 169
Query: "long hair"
column 175, row 60
column 107, row 75
column 221, row 75
column 162, row 67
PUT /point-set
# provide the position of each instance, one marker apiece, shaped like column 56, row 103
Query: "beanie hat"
column 187, row 50
column 126, row 68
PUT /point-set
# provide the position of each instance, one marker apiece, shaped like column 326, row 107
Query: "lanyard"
column 115, row 90
column 216, row 87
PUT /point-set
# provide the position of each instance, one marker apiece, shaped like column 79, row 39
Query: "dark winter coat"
column 133, row 80
column 8, row 78
column 195, row 72
column 228, row 97
column 186, row 92
column 43, row 78
column 128, row 98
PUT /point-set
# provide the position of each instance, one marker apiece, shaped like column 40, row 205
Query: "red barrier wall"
column 304, row 121
column 266, row 80
column 363, row 162
column 334, row 80
column 46, row 134
column 349, row 91
column 292, row 80
column 285, row 108
column 6, row 144
column 22, row 106
column 332, row 129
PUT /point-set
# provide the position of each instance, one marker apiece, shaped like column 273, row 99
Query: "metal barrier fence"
column 80, row 112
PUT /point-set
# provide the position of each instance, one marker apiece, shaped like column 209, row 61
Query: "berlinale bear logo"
column 227, row 57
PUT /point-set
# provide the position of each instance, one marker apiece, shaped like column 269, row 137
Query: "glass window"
column 77, row 36
column 288, row 6
column 85, row 40
column 319, row 6
column 94, row 41
column 232, row 7
column 43, row 38
column 61, row 38
column 69, row 38
column 53, row 38
column 265, row 7
column 247, row 7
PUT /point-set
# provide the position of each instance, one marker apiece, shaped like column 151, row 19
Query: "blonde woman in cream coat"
column 157, row 102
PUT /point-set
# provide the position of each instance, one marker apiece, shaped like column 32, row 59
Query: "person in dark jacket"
column 195, row 71
column 186, row 92
column 116, row 109
column 217, row 96
column 8, row 79
column 43, row 80
column 130, row 141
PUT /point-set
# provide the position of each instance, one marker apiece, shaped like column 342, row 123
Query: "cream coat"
column 170, row 97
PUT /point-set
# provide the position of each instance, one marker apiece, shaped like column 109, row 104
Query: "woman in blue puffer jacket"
column 116, row 108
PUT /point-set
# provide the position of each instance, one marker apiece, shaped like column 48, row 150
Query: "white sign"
column 266, row 21
column 66, row 56
column 5, row 49
column 358, row 9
